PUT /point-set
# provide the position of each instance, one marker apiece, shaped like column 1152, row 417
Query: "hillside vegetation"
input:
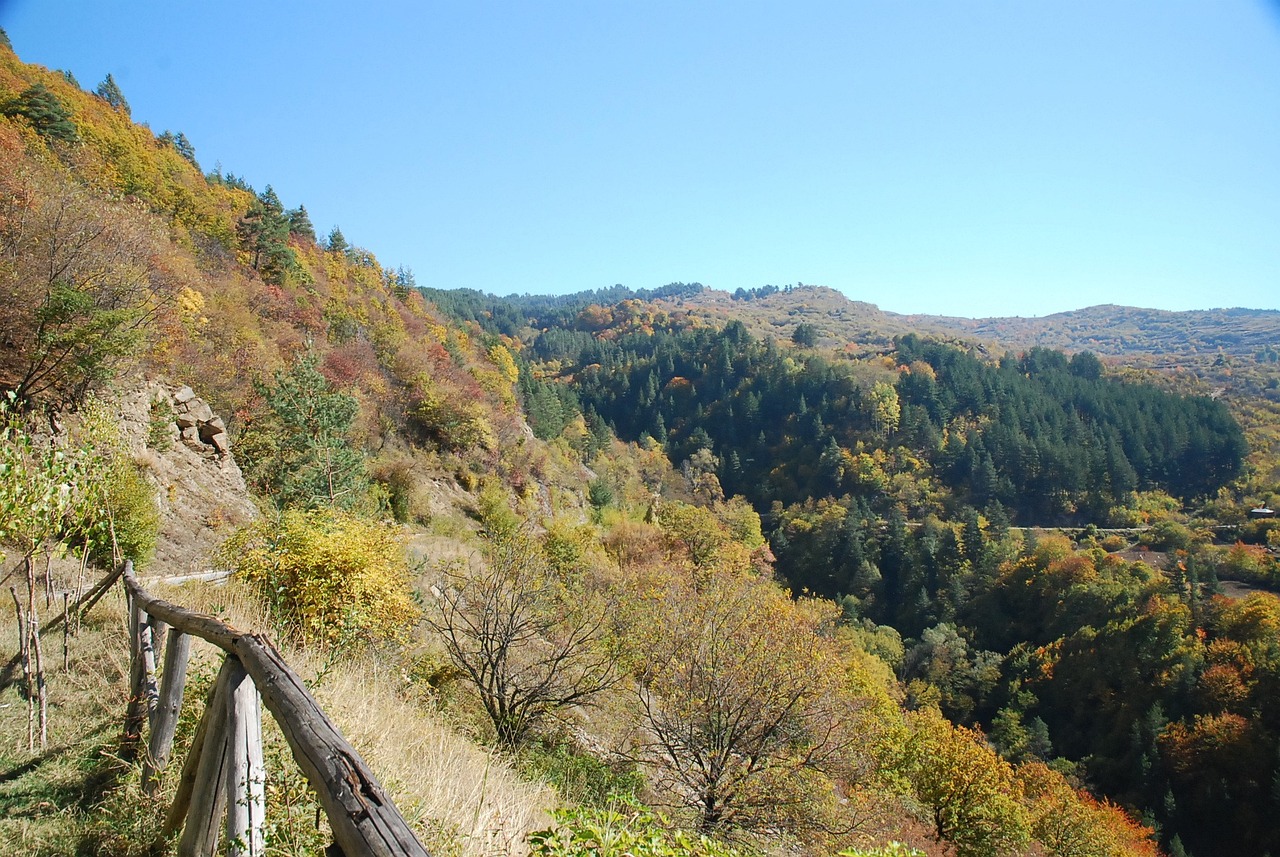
column 710, row 581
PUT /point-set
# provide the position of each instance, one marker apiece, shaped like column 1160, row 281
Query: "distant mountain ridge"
column 1120, row 330
column 1106, row 329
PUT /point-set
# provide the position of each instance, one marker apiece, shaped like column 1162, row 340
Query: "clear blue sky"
column 965, row 157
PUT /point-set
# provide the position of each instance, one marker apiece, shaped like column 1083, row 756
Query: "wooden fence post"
column 362, row 816
column 246, row 780
column 208, row 796
column 143, row 694
column 177, row 816
column 172, row 685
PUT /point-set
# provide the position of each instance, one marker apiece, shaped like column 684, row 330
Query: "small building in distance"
column 1262, row 512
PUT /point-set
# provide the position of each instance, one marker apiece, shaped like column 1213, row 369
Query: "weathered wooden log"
column 144, row 693
column 24, row 653
column 246, row 776
column 159, row 633
column 90, row 598
column 209, row 795
column 177, row 815
column 172, row 686
column 66, row 631
column 361, row 815
column 37, row 660
column 150, row 688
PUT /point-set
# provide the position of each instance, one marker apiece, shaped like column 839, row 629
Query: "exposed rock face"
column 183, row 446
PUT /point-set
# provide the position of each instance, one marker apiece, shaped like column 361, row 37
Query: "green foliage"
column 1039, row 437
column 336, row 242
column 128, row 499
column 328, row 575
column 599, row 495
column 110, row 92
column 299, row 453
column 580, row 778
column 46, row 113
column 181, row 145
column 264, row 236
column 626, row 830
column 300, row 223
column 890, row 849
column 43, row 487
column 805, row 334
column 160, row 424
column 83, row 488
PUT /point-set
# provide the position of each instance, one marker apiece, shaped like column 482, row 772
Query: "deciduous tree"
column 741, row 708
column 529, row 641
column 78, row 286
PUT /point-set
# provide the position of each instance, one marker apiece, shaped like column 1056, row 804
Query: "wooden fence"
column 223, row 774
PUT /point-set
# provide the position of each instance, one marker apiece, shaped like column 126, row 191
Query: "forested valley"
column 648, row 572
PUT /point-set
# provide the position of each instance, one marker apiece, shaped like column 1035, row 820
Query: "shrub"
column 327, row 574
column 580, row 777
column 626, row 830
column 130, row 499
column 891, row 849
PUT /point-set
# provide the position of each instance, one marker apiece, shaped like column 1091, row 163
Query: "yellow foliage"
column 506, row 364
column 455, row 424
column 329, row 575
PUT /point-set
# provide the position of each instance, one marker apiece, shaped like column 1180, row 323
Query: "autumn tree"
column 970, row 792
column 79, row 288
column 529, row 640
column 741, row 710
column 1072, row 823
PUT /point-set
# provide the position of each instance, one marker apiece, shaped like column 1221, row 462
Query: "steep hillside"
column 514, row 514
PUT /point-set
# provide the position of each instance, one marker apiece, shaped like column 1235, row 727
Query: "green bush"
column 626, row 830
column 581, row 778
column 134, row 518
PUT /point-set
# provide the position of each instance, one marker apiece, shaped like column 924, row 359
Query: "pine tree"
column 337, row 242
column 264, row 234
column 110, row 92
column 184, row 148
column 47, row 115
column 300, row 223
column 306, row 456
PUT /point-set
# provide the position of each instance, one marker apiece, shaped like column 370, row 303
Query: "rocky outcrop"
column 195, row 420
column 183, row 447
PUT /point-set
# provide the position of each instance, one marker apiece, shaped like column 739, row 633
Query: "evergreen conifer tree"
column 300, row 223
column 337, row 242
column 109, row 91
column 184, row 148
column 45, row 112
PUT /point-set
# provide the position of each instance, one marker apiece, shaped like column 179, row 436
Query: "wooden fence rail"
column 223, row 774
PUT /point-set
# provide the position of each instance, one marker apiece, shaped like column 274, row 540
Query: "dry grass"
column 463, row 798
column 50, row 800
column 77, row 797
